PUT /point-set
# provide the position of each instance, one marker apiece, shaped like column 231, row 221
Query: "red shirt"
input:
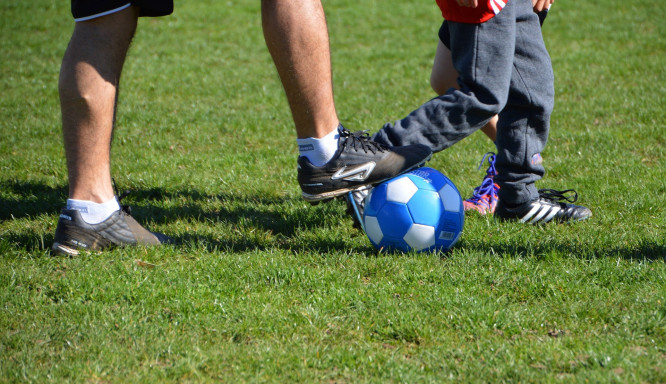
column 486, row 10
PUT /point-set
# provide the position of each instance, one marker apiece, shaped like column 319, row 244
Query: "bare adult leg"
column 297, row 38
column 331, row 162
column 89, row 79
column 88, row 87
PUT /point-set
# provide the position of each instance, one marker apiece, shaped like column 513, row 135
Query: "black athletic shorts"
column 445, row 35
column 89, row 9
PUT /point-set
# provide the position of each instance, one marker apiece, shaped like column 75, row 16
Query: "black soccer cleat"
column 74, row 235
column 358, row 162
column 549, row 207
column 356, row 205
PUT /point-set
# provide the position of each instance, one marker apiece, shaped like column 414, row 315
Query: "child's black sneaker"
column 550, row 206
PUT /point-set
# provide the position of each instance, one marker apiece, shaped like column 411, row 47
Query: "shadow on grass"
column 33, row 199
column 285, row 219
column 646, row 250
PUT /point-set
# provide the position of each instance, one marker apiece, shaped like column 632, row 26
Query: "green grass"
column 263, row 287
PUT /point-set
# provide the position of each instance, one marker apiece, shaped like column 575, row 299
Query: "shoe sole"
column 328, row 195
column 480, row 211
column 315, row 199
column 517, row 220
column 63, row 250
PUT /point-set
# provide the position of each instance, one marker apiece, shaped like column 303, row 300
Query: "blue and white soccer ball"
column 421, row 210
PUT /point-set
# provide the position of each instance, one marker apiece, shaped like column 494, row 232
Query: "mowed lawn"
column 261, row 286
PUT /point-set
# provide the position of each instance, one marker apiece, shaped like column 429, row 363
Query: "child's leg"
column 482, row 54
column 524, row 123
column 445, row 76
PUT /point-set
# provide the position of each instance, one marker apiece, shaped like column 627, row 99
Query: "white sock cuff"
column 91, row 212
column 319, row 151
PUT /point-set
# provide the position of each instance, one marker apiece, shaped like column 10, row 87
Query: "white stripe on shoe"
column 540, row 212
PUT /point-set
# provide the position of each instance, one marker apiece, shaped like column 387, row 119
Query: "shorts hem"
column 102, row 13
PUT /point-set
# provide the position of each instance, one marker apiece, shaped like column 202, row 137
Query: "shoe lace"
column 487, row 188
column 556, row 196
column 360, row 140
column 125, row 208
column 491, row 171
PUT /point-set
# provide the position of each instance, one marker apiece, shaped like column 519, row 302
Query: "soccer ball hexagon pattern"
column 421, row 210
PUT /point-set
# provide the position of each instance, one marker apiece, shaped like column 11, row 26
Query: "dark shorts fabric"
column 445, row 35
column 90, row 9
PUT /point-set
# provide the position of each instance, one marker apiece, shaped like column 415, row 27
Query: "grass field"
column 263, row 287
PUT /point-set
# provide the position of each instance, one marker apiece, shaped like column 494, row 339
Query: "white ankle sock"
column 319, row 151
column 94, row 213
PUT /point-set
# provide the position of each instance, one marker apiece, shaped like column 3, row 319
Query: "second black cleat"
column 549, row 207
column 358, row 162
column 356, row 205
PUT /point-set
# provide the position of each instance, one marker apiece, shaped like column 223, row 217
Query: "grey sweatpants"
column 504, row 69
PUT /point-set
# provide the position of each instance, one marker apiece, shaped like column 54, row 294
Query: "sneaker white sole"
column 61, row 249
column 327, row 195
